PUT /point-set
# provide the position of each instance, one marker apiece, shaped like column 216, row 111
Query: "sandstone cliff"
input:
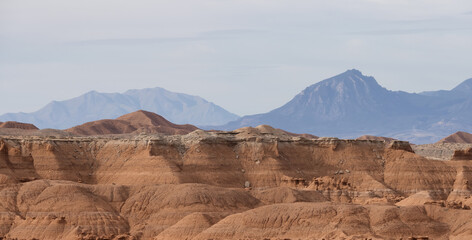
column 228, row 185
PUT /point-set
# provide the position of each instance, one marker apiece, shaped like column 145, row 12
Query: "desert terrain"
column 236, row 120
column 250, row 183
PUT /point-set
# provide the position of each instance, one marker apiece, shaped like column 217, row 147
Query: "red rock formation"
column 194, row 186
column 463, row 154
column 401, row 145
column 18, row 125
column 458, row 137
column 136, row 122
column 316, row 221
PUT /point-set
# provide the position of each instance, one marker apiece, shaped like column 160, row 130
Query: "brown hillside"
column 245, row 184
column 18, row 125
column 375, row 138
column 136, row 122
column 458, row 137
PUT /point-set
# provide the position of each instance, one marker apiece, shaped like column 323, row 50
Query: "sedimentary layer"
column 227, row 185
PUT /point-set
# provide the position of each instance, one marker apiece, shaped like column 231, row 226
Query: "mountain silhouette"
column 177, row 107
column 350, row 105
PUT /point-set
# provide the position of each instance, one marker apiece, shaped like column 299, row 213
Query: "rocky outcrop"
column 463, row 154
column 370, row 137
column 136, row 122
column 18, row 125
column 242, row 184
column 439, row 151
column 401, row 145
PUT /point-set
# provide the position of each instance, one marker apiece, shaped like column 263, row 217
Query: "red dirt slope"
column 18, row 125
column 458, row 137
column 136, row 122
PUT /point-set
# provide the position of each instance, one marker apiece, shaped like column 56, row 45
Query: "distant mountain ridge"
column 350, row 105
column 178, row 108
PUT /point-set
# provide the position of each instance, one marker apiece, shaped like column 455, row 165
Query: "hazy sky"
column 248, row 56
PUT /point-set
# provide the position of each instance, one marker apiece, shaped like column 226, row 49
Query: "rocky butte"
column 250, row 183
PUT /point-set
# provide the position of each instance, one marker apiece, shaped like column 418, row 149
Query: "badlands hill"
column 136, row 122
column 17, row 128
column 458, row 137
column 252, row 183
column 18, row 125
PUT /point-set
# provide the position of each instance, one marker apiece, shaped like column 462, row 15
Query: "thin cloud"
column 208, row 35
column 407, row 31
column 130, row 41
column 232, row 32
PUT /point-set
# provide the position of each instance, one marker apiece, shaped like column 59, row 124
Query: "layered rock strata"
column 228, row 185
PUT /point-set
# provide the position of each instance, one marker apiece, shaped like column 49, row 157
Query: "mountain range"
column 176, row 107
column 350, row 105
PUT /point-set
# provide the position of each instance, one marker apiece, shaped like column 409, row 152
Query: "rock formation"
column 266, row 129
column 464, row 154
column 18, row 125
column 252, row 183
column 370, row 137
column 401, row 145
column 458, row 137
column 441, row 151
column 136, row 122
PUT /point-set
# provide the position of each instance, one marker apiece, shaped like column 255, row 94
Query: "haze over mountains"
column 178, row 108
column 348, row 105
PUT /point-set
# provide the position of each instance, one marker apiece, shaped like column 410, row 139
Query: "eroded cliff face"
column 224, row 185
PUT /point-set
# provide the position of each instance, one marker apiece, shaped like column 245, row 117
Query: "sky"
column 248, row 56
